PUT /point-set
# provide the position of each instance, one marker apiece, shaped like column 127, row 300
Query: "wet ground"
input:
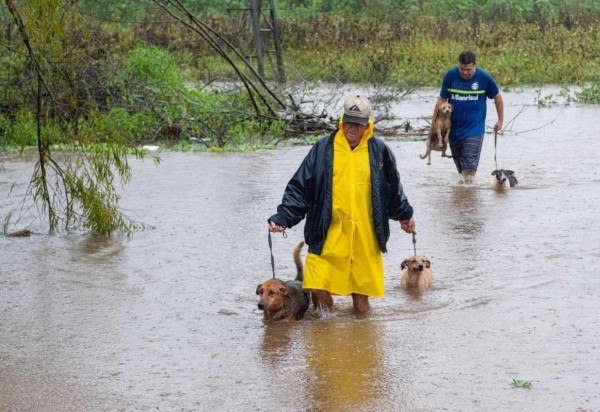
column 167, row 320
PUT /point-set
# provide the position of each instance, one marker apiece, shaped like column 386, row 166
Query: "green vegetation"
column 95, row 80
column 521, row 42
column 519, row 383
column 590, row 93
column 143, row 95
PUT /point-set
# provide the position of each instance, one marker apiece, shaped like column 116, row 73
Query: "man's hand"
column 408, row 225
column 499, row 103
column 275, row 228
column 498, row 126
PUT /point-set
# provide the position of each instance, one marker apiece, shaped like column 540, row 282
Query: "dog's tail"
column 298, row 261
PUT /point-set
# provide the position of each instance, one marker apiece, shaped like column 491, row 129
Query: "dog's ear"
column 494, row 173
column 509, row 172
column 427, row 263
column 258, row 289
column 404, row 263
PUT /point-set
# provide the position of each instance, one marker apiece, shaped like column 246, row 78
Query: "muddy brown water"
column 167, row 319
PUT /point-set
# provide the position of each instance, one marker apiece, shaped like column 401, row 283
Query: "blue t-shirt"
column 469, row 100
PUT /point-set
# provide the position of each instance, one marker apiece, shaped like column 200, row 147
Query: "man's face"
column 354, row 132
column 466, row 70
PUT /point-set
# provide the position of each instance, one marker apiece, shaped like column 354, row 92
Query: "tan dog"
column 287, row 300
column 418, row 275
column 439, row 134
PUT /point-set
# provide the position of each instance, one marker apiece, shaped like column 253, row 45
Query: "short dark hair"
column 466, row 57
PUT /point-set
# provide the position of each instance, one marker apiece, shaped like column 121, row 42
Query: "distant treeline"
column 123, row 67
column 514, row 11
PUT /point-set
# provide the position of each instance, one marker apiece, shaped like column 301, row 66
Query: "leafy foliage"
column 152, row 67
column 396, row 42
column 492, row 10
column 520, row 383
column 77, row 188
column 420, row 49
column 95, row 96
column 590, row 93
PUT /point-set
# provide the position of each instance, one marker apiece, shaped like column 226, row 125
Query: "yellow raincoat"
column 351, row 261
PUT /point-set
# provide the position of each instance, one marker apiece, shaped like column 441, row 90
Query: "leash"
column 271, row 249
column 496, row 147
column 414, row 240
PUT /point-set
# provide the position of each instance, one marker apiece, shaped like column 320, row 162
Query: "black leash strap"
column 496, row 147
column 271, row 249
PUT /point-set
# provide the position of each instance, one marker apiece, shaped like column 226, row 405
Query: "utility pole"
column 265, row 41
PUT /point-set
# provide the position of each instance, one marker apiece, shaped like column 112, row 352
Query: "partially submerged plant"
column 520, row 383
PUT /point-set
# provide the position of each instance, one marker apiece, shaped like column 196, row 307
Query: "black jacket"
column 309, row 194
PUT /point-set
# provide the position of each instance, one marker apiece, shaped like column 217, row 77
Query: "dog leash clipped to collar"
column 271, row 249
column 415, row 242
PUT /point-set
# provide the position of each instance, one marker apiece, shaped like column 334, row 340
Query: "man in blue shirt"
column 467, row 87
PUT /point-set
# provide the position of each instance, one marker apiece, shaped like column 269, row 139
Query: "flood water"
column 167, row 320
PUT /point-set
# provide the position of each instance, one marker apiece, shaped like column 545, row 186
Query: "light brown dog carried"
column 417, row 275
column 284, row 300
column 438, row 137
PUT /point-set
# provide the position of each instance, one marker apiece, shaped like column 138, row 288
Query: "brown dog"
column 439, row 134
column 287, row 300
column 418, row 275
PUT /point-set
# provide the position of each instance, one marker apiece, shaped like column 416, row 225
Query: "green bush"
column 18, row 131
column 590, row 93
column 152, row 66
column 118, row 124
column 225, row 120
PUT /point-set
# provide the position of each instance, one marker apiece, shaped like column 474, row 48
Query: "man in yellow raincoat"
column 348, row 187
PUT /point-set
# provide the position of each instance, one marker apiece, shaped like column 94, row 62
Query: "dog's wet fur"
column 417, row 275
column 503, row 175
column 284, row 300
column 438, row 137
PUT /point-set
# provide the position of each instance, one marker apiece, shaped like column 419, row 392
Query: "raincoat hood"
column 368, row 133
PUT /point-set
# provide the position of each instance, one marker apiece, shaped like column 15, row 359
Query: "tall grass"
column 422, row 48
column 391, row 41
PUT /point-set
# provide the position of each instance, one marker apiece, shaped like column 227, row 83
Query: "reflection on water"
column 167, row 320
column 414, row 294
column 333, row 365
column 345, row 365
column 276, row 343
column 463, row 205
column 106, row 246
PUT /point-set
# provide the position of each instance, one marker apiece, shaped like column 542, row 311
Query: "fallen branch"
column 510, row 123
column 534, row 129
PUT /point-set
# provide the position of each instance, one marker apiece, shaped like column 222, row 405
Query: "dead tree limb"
column 510, row 124
column 213, row 38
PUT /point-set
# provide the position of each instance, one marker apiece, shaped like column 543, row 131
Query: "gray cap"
column 357, row 109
